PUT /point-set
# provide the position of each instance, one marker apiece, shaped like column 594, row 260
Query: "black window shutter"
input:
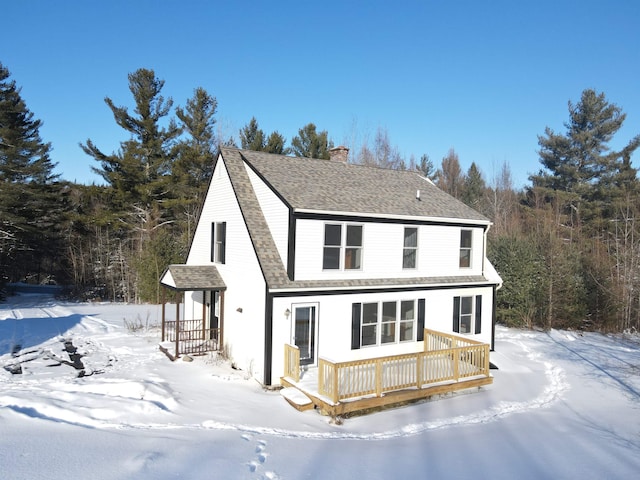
column 355, row 326
column 478, row 314
column 223, row 240
column 420, row 336
column 213, row 241
column 456, row 314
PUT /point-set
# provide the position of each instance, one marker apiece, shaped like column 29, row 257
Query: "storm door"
column 304, row 332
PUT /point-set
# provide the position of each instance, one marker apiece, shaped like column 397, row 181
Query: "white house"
column 345, row 261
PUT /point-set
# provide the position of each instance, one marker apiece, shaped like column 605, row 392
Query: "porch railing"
column 292, row 362
column 446, row 358
column 192, row 337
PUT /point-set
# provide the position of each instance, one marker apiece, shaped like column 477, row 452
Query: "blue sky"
column 482, row 77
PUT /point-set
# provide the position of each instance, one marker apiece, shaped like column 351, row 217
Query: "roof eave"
column 413, row 218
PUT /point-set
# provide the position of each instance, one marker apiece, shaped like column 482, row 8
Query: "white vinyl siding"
column 437, row 251
column 244, row 298
column 334, row 339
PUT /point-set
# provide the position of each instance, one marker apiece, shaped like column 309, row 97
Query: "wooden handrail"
column 292, row 362
column 446, row 358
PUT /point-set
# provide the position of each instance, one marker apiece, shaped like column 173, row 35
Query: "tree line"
column 567, row 244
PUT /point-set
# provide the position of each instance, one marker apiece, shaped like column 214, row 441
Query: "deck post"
column 419, row 362
column 334, row 394
column 379, row 377
column 177, row 328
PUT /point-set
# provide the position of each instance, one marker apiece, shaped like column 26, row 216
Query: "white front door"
column 304, row 332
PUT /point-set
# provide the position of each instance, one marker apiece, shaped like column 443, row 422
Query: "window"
column 467, row 314
column 410, row 250
column 465, row 248
column 342, row 247
column 369, row 324
column 218, row 241
column 382, row 323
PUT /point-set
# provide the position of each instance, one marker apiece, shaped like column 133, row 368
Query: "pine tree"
column 195, row 158
column 473, row 188
column 311, row 144
column 581, row 162
column 139, row 171
column 276, row 144
column 252, row 137
column 31, row 200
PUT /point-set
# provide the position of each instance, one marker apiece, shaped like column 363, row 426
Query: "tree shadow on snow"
column 24, row 333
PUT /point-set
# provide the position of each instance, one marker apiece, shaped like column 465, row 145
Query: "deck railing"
column 446, row 358
column 192, row 337
column 292, row 362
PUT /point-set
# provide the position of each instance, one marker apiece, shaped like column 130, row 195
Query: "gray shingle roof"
column 193, row 277
column 293, row 179
column 337, row 187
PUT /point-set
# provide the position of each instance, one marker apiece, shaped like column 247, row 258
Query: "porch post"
column 204, row 313
column 221, row 322
column 163, row 300
column 177, row 327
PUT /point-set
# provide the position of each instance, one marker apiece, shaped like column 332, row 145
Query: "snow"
column 562, row 405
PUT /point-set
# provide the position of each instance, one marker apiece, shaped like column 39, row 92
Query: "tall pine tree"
column 31, row 201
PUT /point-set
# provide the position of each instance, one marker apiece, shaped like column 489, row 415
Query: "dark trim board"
column 305, row 293
column 268, row 337
column 360, row 219
column 291, row 247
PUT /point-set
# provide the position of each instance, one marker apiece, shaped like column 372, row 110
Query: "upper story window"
column 465, row 248
column 218, row 241
column 410, row 250
column 342, row 247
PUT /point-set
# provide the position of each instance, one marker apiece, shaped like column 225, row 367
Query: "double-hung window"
column 342, row 247
column 382, row 323
column 218, row 241
column 467, row 314
column 465, row 248
column 410, row 250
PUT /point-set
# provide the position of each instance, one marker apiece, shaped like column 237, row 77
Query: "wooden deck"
column 447, row 364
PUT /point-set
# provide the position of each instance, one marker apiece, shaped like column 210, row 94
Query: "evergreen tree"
column 581, row 162
column 195, row 158
column 426, row 167
column 139, row 171
column 195, row 155
column 473, row 188
column 276, row 144
column 252, row 137
column 311, row 144
column 31, row 200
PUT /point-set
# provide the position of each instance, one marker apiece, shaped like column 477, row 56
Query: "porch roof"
column 192, row 277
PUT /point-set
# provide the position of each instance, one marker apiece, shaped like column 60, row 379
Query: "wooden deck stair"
column 297, row 399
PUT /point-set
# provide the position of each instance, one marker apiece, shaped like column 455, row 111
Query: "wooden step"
column 297, row 399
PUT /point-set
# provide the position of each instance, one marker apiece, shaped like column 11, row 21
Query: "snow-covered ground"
column 562, row 405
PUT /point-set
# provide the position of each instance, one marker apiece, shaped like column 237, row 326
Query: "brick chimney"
column 340, row 153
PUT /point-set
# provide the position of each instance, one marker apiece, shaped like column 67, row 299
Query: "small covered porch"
column 447, row 363
column 200, row 328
